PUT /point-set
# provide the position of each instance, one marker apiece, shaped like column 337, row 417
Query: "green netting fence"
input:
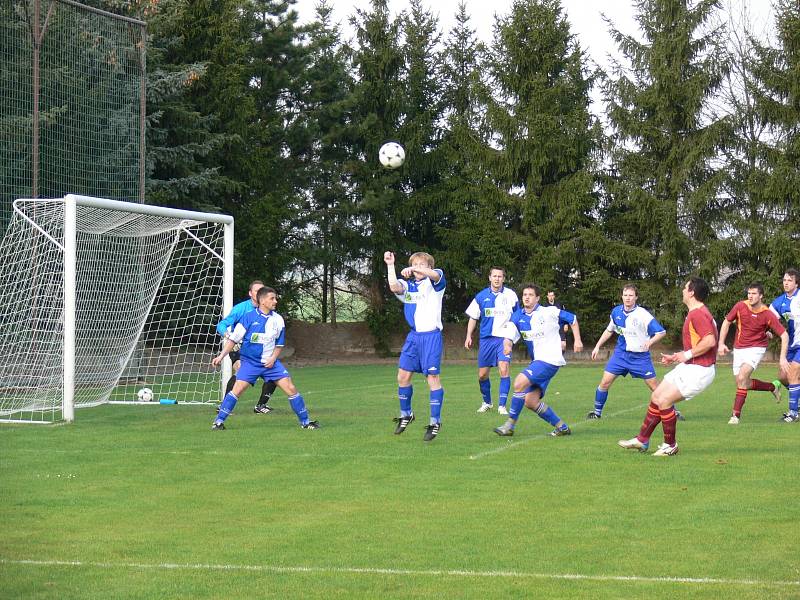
column 72, row 102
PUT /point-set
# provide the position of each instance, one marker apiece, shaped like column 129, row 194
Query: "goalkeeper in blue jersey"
column 421, row 292
column 539, row 327
column 262, row 335
column 224, row 328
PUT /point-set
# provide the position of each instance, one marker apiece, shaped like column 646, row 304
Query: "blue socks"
column 600, row 397
column 517, row 403
column 405, row 394
column 436, row 405
column 548, row 414
column 226, row 408
column 794, row 397
column 486, row 390
column 299, row 407
column 505, row 387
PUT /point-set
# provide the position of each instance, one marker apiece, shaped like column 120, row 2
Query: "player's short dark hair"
column 756, row 285
column 793, row 273
column 497, row 269
column 631, row 286
column 699, row 286
column 254, row 283
column 531, row 286
column 263, row 292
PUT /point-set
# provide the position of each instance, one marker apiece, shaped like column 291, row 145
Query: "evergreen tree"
column 331, row 231
column 184, row 141
column 376, row 116
column 776, row 91
column 662, row 211
column 542, row 142
column 464, row 209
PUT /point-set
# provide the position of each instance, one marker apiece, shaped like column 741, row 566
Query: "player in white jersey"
column 492, row 308
column 421, row 292
column 637, row 331
column 539, row 327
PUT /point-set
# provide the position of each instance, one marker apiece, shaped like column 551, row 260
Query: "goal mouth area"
column 104, row 297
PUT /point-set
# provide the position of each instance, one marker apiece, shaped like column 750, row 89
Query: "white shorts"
column 690, row 379
column 747, row 356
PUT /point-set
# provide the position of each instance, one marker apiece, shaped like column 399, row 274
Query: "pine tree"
column 776, row 91
column 661, row 209
column 464, row 208
column 329, row 224
column 376, row 116
column 542, row 142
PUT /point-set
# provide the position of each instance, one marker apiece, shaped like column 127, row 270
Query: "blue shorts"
column 251, row 371
column 793, row 354
column 490, row 352
column 422, row 352
column 635, row 364
column 539, row 373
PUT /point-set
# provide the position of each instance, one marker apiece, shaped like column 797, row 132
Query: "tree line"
column 690, row 166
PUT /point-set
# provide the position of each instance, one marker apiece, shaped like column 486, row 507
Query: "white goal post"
column 99, row 298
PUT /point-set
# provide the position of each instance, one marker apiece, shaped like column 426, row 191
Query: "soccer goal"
column 100, row 298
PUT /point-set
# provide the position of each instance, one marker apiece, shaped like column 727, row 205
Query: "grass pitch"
column 147, row 502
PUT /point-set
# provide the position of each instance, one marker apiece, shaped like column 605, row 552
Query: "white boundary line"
column 404, row 572
column 543, row 436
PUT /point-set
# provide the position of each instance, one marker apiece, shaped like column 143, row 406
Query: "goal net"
column 101, row 298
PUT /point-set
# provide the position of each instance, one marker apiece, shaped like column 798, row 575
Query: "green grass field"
column 147, row 502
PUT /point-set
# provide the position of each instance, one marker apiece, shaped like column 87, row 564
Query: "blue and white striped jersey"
column 788, row 308
column 633, row 328
column 540, row 329
column 493, row 310
column 259, row 334
column 239, row 310
column 422, row 302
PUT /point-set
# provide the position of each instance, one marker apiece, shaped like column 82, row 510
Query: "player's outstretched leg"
column 600, row 398
column 517, row 404
column 642, row 441
column 225, row 409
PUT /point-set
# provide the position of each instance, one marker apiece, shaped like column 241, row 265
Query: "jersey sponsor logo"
column 529, row 336
column 488, row 312
column 410, row 298
column 258, row 338
column 619, row 330
column 787, row 316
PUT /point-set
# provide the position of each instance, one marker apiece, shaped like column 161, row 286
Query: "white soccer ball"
column 392, row 155
column 145, row 395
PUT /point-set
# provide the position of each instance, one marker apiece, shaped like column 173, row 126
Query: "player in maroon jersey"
column 753, row 320
column 694, row 373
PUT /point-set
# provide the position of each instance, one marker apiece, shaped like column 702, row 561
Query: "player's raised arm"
column 394, row 284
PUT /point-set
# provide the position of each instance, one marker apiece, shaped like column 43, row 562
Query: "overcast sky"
column 585, row 17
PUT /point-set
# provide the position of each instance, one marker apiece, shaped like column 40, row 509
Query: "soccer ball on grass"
column 145, row 395
column 392, row 155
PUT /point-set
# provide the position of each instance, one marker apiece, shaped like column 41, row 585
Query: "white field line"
column 402, row 572
column 543, row 436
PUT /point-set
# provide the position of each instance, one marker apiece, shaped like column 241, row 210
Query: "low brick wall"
column 325, row 341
